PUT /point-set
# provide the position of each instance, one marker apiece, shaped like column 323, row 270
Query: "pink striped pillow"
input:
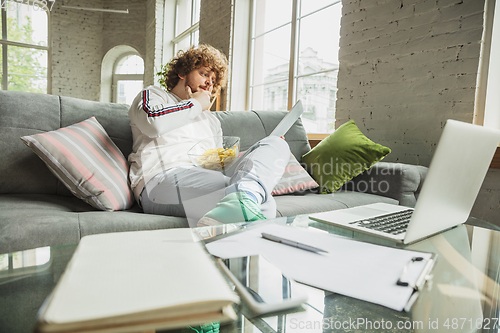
column 87, row 162
column 294, row 179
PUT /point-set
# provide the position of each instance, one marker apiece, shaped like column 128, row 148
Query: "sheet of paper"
column 356, row 269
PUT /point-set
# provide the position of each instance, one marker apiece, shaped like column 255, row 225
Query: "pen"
column 291, row 243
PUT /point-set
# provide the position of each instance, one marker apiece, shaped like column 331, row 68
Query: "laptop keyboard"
column 393, row 223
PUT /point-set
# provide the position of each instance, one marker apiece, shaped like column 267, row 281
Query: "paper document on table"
column 361, row 270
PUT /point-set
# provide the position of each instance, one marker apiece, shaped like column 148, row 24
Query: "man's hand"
column 201, row 96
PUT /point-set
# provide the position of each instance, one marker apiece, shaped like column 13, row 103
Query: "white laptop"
column 455, row 175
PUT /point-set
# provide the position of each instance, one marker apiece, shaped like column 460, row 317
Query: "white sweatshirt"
column 164, row 128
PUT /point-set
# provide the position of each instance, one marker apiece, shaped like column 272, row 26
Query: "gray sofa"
column 37, row 210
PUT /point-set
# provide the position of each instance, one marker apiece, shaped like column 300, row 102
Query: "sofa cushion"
column 98, row 222
column 35, row 220
column 399, row 181
column 87, row 161
column 343, row 155
column 29, row 221
column 289, row 205
column 23, row 113
column 50, row 202
column 112, row 116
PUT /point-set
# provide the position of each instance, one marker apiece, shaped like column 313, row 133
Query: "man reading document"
column 166, row 124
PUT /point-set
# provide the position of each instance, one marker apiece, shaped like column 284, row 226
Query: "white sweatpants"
column 192, row 191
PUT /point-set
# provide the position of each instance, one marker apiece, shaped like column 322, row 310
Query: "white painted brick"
column 470, row 51
column 425, row 6
column 446, row 27
column 354, row 15
column 473, row 21
column 447, row 3
column 348, row 6
column 125, row 29
column 418, row 20
column 215, row 29
column 81, row 38
column 461, row 9
column 76, row 51
column 415, row 75
column 461, row 66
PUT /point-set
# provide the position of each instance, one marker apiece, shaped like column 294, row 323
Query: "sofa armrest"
column 402, row 182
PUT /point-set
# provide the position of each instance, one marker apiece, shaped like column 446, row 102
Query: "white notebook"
column 138, row 281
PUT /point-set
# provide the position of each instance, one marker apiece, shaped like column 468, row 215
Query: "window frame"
column 4, row 43
column 127, row 77
column 194, row 27
column 170, row 36
column 25, row 270
column 293, row 75
column 483, row 115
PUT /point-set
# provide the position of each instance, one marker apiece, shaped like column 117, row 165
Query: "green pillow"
column 342, row 156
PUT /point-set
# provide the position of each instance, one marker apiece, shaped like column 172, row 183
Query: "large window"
column 294, row 47
column 24, row 46
column 187, row 24
column 128, row 78
column 181, row 27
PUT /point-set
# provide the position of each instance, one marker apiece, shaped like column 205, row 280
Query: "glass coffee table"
column 461, row 297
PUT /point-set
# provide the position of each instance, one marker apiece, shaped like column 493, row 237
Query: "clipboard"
column 424, row 277
column 352, row 268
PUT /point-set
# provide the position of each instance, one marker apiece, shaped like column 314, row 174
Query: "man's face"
column 201, row 78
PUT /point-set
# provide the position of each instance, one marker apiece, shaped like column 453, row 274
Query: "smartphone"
column 262, row 285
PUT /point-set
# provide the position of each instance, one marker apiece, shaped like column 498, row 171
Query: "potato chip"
column 216, row 159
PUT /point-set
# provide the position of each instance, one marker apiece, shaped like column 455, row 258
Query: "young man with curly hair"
column 166, row 124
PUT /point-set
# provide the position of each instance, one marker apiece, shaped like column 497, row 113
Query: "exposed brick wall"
column 125, row 29
column 406, row 67
column 215, row 24
column 215, row 30
column 80, row 39
column 76, row 50
column 487, row 205
column 154, row 42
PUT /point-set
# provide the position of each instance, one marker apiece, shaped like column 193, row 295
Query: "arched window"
column 127, row 78
column 122, row 74
column 24, row 46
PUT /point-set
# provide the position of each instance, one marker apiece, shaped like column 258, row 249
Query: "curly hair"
column 194, row 58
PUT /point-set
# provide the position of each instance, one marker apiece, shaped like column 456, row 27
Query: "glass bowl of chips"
column 215, row 153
